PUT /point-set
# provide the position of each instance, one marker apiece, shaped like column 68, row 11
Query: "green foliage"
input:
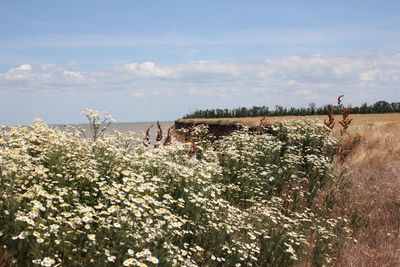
column 258, row 111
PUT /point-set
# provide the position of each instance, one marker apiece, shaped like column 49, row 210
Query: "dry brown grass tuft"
column 372, row 198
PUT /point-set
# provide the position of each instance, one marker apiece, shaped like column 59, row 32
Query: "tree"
column 382, row 107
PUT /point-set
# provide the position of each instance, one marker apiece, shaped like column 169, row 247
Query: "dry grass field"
column 358, row 119
column 370, row 196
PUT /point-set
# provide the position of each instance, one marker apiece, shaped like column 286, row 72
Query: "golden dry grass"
column 372, row 198
column 358, row 119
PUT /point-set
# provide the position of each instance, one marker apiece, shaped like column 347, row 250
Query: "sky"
column 159, row 60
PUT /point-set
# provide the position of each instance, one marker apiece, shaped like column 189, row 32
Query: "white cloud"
column 217, row 92
column 316, row 77
column 192, row 91
column 25, row 67
column 305, row 92
column 146, row 69
column 44, row 78
column 137, row 94
column 72, row 74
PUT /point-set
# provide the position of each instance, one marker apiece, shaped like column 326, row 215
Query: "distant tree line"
column 256, row 111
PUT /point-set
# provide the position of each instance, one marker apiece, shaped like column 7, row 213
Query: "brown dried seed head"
column 159, row 133
column 146, row 140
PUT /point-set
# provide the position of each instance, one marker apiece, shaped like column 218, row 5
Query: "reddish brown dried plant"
column 339, row 100
column 168, row 139
column 346, row 121
column 331, row 119
column 260, row 128
column 159, row 132
column 146, row 140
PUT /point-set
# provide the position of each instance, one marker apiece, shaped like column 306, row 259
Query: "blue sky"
column 157, row 60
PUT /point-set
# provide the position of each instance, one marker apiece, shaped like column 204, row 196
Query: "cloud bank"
column 316, row 78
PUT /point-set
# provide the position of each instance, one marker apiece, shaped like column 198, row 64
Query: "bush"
column 241, row 201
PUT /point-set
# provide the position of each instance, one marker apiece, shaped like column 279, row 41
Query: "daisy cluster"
column 244, row 200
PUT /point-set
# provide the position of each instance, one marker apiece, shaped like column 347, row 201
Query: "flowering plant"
column 245, row 200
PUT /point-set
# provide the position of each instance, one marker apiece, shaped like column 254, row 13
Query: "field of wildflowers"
column 110, row 200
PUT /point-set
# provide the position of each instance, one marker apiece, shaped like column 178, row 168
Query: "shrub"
column 111, row 200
